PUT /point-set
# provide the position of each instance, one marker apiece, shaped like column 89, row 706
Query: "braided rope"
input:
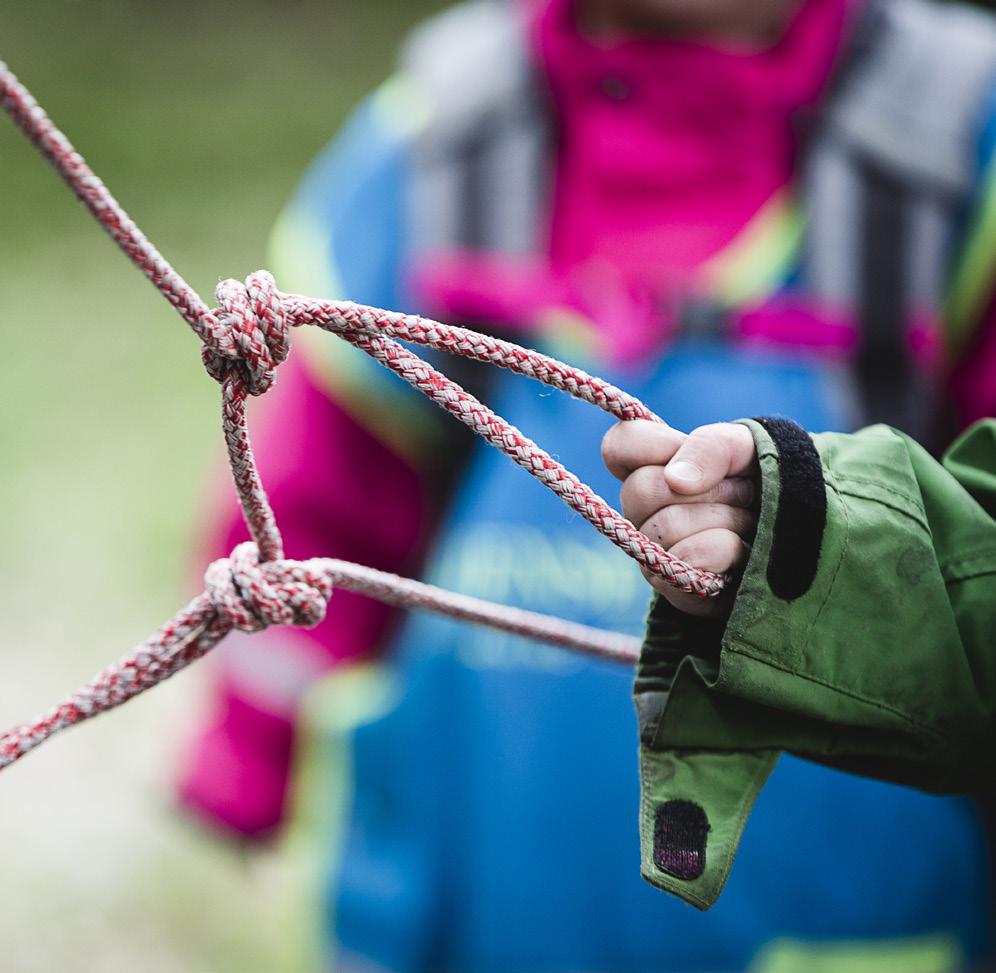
column 244, row 340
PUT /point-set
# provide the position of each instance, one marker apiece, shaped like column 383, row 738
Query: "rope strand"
column 244, row 340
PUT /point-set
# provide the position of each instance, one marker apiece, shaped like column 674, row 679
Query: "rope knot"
column 254, row 596
column 251, row 334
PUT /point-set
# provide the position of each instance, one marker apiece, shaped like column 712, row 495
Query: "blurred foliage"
column 200, row 116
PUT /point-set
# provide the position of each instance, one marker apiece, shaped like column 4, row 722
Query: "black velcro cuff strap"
column 802, row 510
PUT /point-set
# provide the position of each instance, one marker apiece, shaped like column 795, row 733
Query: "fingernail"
column 683, row 470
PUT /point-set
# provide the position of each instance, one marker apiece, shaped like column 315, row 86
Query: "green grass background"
column 200, row 117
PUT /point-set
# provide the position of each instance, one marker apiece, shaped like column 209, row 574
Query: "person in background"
column 726, row 208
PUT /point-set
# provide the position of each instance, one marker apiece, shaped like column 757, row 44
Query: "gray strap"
column 884, row 369
column 514, row 173
column 832, row 198
column 909, row 107
column 930, row 229
column 480, row 166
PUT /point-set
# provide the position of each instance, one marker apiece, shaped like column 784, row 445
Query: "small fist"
column 694, row 495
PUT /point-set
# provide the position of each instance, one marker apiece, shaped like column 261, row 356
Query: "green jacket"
column 863, row 636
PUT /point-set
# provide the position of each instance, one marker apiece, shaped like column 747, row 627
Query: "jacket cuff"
column 801, row 516
column 856, row 652
column 694, row 803
column 704, row 757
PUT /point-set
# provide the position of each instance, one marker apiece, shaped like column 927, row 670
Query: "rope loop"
column 250, row 332
column 253, row 596
column 244, row 340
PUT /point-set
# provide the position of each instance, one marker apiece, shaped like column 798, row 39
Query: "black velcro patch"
column 802, row 511
column 680, row 830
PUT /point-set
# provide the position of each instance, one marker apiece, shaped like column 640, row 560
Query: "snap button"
column 614, row 88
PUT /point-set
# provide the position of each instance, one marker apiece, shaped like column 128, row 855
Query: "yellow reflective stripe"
column 751, row 267
column 569, row 335
column 382, row 404
column 392, row 412
column 318, row 804
column 973, row 280
column 920, row 954
column 758, row 260
column 300, row 256
column 405, row 107
column 303, row 262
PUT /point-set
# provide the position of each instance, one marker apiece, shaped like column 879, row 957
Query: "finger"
column 638, row 442
column 679, row 522
column 710, row 454
column 717, row 550
column 646, row 490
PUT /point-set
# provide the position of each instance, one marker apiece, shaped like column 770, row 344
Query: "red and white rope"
column 244, row 340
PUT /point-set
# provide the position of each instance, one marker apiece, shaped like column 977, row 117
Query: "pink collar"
column 789, row 74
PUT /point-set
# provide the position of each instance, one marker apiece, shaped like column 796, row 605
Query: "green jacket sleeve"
column 863, row 636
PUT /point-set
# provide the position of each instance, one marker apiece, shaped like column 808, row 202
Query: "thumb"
column 709, row 455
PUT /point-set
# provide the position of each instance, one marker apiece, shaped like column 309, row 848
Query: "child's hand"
column 695, row 495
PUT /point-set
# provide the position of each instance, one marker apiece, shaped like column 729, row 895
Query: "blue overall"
column 493, row 825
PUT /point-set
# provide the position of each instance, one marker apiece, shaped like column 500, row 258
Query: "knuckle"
column 673, row 521
column 744, row 522
column 705, row 516
column 692, row 550
column 713, row 550
column 724, row 515
column 745, row 491
column 715, row 496
column 611, row 446
column 628, row 499
column 729, row 544
column 714, row 436
column 643, row 486
column 714, row 514
column 737, row 492
column 706, row 449
column 709, row 433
